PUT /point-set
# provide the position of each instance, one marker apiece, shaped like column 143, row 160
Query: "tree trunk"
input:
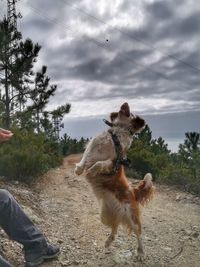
column 7, row 117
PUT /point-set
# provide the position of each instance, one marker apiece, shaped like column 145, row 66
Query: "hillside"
column 65, row 209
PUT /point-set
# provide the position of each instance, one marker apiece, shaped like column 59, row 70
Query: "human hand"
column 5, row 135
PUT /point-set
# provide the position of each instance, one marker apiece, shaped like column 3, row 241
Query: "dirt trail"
column 69, row 216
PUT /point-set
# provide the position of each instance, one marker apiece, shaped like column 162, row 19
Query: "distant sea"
column 173, row 143
column 171, row 127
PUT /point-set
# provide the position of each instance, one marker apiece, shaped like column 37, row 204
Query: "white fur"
column 100, row 152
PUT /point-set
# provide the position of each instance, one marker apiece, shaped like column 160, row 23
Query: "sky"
column 104, row 53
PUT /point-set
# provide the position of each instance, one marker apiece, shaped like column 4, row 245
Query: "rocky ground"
column 65, row 209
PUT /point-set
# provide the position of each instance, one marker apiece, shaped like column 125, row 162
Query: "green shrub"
column 27, row 155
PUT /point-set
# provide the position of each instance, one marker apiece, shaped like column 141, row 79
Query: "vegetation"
column 152, row 155
column 28, row 155
column 24, row 95
column 69, row 146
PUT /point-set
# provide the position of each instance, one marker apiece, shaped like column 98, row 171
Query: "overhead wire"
column 105, row 47
column 129, row 36
column 183, row 62
column 102, row 45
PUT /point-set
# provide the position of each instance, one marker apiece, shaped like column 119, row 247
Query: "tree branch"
column 19, row 95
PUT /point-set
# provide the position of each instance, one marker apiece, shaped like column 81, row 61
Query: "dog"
column 120, row 201
column 100, row 153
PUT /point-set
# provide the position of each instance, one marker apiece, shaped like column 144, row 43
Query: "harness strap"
column 120, row 160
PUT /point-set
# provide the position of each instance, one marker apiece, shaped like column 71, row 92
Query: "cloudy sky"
column 103, row 53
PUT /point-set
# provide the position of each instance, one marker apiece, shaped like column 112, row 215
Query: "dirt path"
column 69, row 216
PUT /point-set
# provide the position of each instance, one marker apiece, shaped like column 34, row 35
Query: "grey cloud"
column 193, row 58
column 190, row 25
column 127, row 65
column 34, row 22
column 162, row 10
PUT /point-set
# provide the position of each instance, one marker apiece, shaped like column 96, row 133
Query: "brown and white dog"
column 120, row 200
column 100, row 152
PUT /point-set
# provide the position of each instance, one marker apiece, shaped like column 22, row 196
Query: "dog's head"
column 127, row 120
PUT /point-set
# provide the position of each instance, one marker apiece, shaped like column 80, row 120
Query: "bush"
column 27, row 155
column 167, row 168
column 141, row 165
column 144, row 161
column 69, row 145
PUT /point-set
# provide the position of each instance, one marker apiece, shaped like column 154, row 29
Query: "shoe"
column 33, row 259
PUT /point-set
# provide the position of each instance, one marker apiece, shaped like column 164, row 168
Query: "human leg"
column 17, row 225
column 20, row 228
column 4, row 263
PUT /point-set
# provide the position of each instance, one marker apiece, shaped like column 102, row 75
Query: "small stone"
column 188, row 232
column 107, row 252
column 195, row 227
column 195, row 234
column 178, row 197
column 167, row 248
column 65, row 263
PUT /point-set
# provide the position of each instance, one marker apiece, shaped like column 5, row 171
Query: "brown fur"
column 121, row 202
column 113, row 116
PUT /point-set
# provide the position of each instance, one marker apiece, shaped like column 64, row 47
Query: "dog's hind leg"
column 111, row 237
column 140, row 250
column 109, row 217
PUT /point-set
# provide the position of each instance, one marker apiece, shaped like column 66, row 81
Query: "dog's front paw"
column 140, row 255
column 79, row 169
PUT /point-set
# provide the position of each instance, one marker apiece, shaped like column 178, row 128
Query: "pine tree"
column 16, row 65
column 189, row 152
column 158, row 146
column 192, row 140
column 145, row 136
column 191, row 144
column 40, row 95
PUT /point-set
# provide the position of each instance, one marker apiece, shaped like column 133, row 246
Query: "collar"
column 110, row 124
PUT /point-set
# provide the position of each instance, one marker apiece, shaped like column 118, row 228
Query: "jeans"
column 19, row 227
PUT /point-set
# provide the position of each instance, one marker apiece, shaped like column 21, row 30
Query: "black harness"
column 120, row 160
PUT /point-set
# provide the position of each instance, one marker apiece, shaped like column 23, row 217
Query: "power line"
column 183, row 62
column 56, row 22
column 102, row 45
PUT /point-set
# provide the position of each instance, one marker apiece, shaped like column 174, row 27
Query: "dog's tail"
column 144, row 190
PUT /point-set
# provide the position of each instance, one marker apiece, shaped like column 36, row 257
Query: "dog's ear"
column 139, row 122
column 113, row 116
column 125, row 110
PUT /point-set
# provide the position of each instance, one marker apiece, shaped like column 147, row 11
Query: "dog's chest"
column 125, row 141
